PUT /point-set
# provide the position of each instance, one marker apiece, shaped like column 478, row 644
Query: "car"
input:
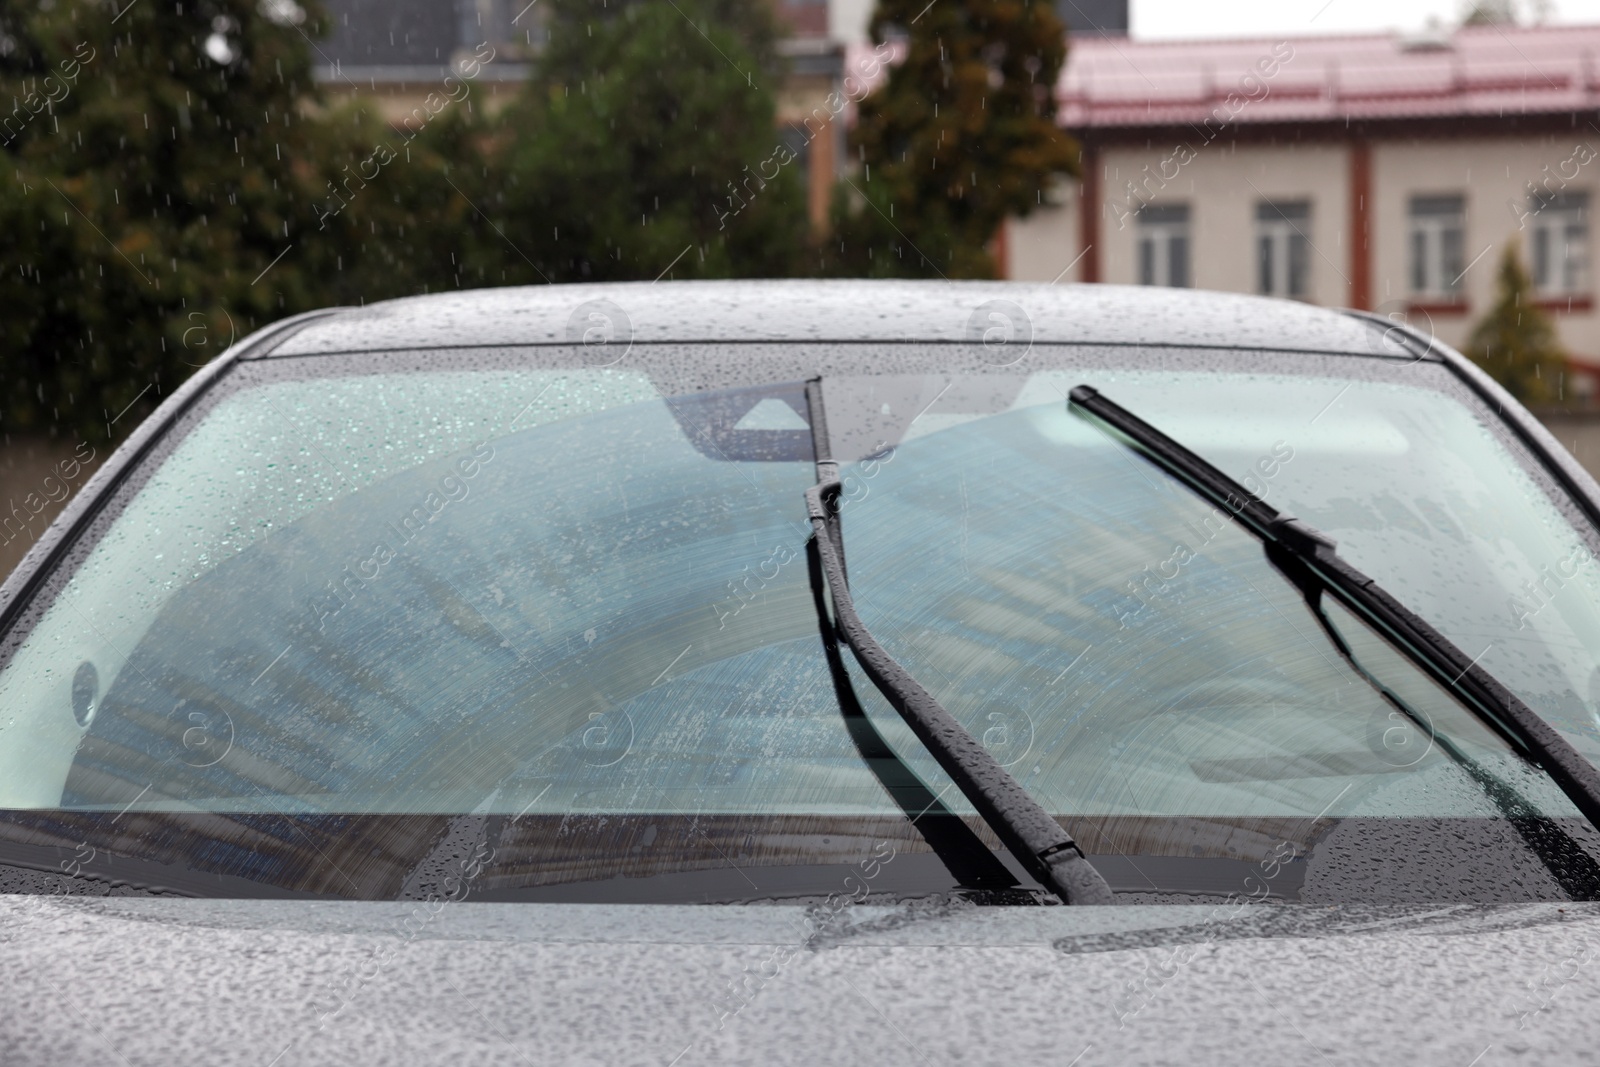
column 799, row 672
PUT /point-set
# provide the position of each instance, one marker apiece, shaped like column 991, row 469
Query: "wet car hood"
column 258, row 983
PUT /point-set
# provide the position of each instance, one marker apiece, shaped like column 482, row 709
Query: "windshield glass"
column 359, row 606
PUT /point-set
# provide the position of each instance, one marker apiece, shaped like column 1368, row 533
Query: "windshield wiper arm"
column 970, row 862
column 1031, row 834
column 1306, row 554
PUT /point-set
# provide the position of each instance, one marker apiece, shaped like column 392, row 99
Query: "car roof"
column 838, row 311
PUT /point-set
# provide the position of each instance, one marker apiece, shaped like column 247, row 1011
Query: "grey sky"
column 1156, row 19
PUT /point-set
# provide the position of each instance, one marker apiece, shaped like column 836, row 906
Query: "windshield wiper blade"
column 970, row 862
column 1306, row 554
column 1031, row 834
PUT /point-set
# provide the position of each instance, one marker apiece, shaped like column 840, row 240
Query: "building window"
column 1558, row 243
column 1164, row 245
column 1283, row 252
column 1438, row 241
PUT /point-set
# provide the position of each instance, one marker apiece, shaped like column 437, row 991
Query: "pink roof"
column 1484, row 70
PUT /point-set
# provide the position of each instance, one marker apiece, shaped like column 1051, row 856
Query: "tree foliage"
column 147, row 181
column 173, row 178
column 400, row 209
column 1515, row 340
column 569, row 23
column 625, row 153
column 1504, row 12
column 962, row 136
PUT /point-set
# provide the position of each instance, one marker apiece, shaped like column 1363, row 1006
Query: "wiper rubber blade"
column 1031, row 834
column 1304, row 554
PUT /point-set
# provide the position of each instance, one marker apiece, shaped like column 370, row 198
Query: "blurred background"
column 178, row 173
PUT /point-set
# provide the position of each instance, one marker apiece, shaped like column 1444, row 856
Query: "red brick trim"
column 1360, row 225
column 1089, row 209
column 1566, row 305
column 1439, row 307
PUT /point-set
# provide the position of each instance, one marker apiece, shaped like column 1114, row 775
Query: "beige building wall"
column 1222, row 184
column 397, row 103
column 1491, row 175
column 1040, row 247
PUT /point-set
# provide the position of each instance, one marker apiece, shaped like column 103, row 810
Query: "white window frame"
column 1558, row 244
column 1283, row 249
column 1163, row 247
column 1436, row 244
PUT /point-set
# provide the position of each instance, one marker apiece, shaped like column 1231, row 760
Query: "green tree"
column 644, row 141
column 399, row 210
column 1515, row 340
column 157, row 159
column 174, row 179
column 962, row 136
column 751, row 21
column 1503, row 12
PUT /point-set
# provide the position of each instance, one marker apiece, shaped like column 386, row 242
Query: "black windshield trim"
column 1567, row 473
column 18, row 590
column 276, row 355
column 1029, row 832
column 1414, row 637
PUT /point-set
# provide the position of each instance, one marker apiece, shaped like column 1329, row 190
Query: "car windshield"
column 358, row 609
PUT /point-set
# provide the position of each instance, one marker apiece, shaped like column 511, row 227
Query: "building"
column 394, row 53
column 1379, row 172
